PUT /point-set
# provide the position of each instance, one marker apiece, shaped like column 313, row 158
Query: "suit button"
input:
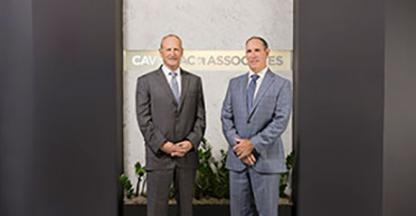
column 248, row 121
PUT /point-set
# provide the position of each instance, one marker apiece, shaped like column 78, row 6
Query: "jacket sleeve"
column 152, row 136
column 227, row 118
column 195, row 136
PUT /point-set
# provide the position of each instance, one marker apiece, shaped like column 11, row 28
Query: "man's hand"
column 243, row 148
column 168, row 147
column 181, row 148
column 249, row 160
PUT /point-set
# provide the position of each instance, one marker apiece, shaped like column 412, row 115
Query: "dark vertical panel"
column 119, row 97
column 16, row 97
column 339, row 55
column 76, row 116
column 60, row 116
column 400, row 103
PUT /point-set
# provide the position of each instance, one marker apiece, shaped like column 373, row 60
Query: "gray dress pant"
column 158, row 185
column 253, row 193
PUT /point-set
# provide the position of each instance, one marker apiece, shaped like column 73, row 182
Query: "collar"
column 260, row 74
column 166, row 71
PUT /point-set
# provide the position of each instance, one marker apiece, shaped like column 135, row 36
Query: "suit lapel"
column 184, row 90
column 265, row 84
column 243, row 91
column 165, row 86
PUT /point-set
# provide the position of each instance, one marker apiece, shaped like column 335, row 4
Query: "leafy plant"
column 212, row 178
column 285, row 177
column 211, row 175
column 140, row 172
column 126, row 185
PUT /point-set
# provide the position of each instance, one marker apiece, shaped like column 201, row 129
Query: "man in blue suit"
column 255, row 113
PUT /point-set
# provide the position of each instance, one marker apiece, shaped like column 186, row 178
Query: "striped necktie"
column 174, row 86
column 250, row 91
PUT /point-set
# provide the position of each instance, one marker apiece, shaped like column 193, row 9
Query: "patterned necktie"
column 250, row 91
column 174, row 86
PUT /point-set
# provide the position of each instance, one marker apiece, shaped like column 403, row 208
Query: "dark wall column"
column 76, row 110
column 339, row 55
column 400, row 109
column 16, row 107
column 60, row 107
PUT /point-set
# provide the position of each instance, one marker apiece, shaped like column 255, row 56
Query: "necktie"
column 174, row 86
column 250, row 91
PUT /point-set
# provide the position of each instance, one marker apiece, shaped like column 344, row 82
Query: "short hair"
column 168, row 36
column 260, row 39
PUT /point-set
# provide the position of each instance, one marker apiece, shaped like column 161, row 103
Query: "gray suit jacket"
column 263, row 125
column 161, row 119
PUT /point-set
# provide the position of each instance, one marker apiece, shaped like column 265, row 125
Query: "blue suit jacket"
column 263, row 125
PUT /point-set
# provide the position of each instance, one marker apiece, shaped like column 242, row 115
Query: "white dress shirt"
column 261, row 75
column 166, row 71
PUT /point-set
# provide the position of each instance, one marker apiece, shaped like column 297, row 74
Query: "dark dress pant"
column 158, row 187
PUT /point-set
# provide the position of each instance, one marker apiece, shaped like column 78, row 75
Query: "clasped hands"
column 244, row 151
column 179, row 149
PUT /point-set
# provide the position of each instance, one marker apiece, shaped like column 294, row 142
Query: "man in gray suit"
column 255, row 113
column 171, row 115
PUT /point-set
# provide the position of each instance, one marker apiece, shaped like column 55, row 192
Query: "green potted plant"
column 211, row 185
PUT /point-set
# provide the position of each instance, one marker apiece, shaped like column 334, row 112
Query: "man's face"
column 256, row 54
column 171, row 52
